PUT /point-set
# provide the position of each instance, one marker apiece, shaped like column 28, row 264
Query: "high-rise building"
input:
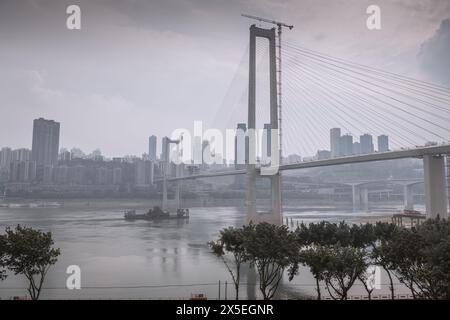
column 383, row 143
column 45, row 142
column 143, row 171
column 117, row 176
column 366, row 143
column 5, row 158
column 346, row 145
column 152, row 141
column 323, row 154
column 356, row 147
column 65, row 155
column 165, row 149
column 21, row 154
column 335, row 136
column 22, row 171
column 197, row 150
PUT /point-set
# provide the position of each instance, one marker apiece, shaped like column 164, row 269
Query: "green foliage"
column 231, row 243
column 420, row 258
column 2, row 258
column 30, row 252
column 326, row 233
column 314, row 258
column 339, row 254
column 268, row 247
column 343, row 266
column 271, row 249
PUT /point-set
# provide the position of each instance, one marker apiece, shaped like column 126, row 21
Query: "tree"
column 231, row 242
column 379, row 237
column 320, row 238
column 343, row 267
column 324, row 233
column 2, row 258
column 420, row 258
column 314, row 258
column 271, row 249
column 361, row 237
column 365, row 278
column 436, row 236
column 30, row 252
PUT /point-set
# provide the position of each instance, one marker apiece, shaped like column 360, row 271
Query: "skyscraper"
column 45, row 142
column 5, row 158
column 383, row 143
column 143, row 172
column 366, row 143
column 356, row 148
column 346, row 145
column 21, row 154
column 335, row 136
column 165, row 149
column 152, row 140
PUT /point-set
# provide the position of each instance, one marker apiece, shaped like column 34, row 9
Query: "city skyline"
column 81, row 89
column 42, row 127
column 284, row 150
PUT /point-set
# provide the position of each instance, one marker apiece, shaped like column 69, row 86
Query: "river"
column 122, row 259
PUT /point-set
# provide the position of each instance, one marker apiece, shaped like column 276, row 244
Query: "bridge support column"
column 178, row 195
column 365, row 199
column 356, row 198
column 178, row 189
column 275, row 214
column 250, row 194
column 408, row 197
column 164, row 201
column 435, row 186
column 276, row 199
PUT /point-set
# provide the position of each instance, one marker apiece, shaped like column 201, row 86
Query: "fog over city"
column 228, row 150
column 147, row 67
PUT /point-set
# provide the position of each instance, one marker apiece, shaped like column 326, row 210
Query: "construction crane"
column 280, row 26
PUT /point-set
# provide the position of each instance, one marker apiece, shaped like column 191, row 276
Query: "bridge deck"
column 382, row 156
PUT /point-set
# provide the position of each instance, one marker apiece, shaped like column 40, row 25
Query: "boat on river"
column 156, row 213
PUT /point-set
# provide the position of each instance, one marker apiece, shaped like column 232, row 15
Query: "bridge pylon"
column 275, row 213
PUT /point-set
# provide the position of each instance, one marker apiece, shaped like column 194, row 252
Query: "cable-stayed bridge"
column 322, row 91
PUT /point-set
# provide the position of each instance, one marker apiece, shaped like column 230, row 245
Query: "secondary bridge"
column 434, row 174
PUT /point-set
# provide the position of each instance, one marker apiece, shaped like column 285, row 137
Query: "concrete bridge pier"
column 408, row 197
column 250, row 194
column 435, row 186
column 365, row 199
column 178, row 195
column 356, row 197
column 178, row 188
column 275, row 214
column 164, row 201
column 360, row 198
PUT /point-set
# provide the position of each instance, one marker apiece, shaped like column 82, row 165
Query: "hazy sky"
column 141, row 67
